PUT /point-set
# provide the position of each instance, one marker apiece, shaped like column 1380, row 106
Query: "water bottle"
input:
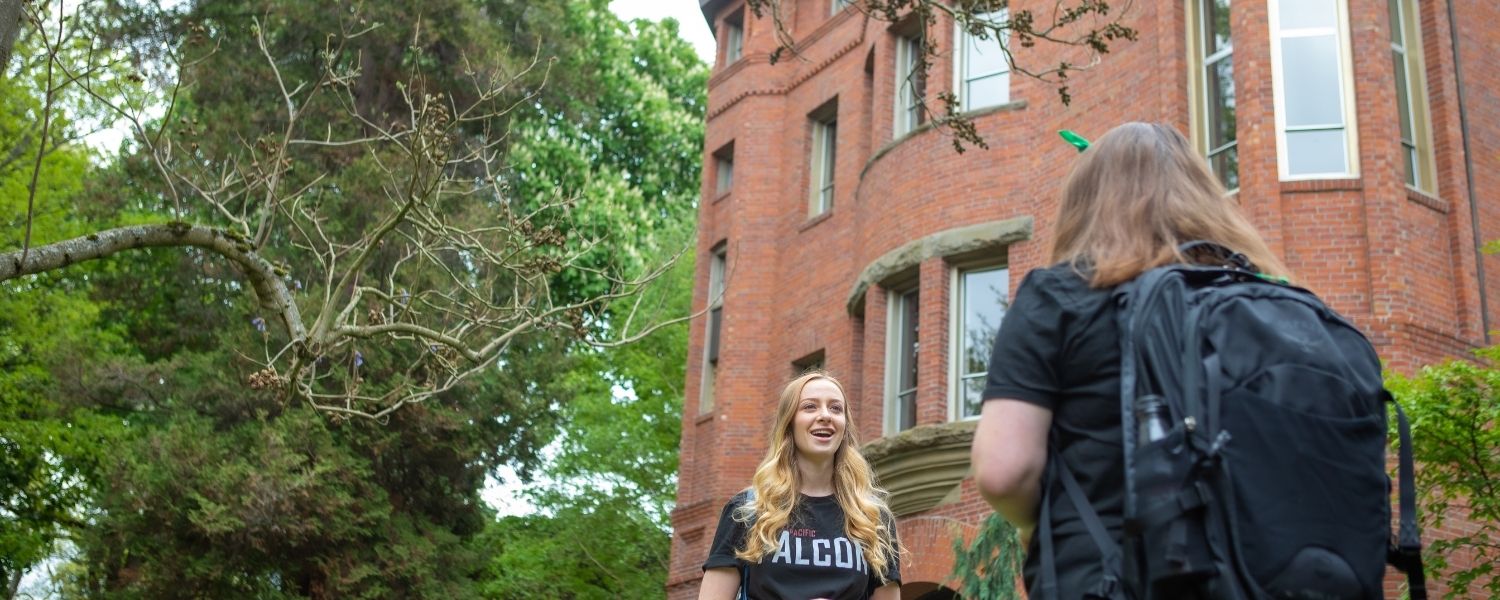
column 1151, row 419
column 1177, row 557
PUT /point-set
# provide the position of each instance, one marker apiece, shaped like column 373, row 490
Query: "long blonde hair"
column 1137, row 194
column 777, row 481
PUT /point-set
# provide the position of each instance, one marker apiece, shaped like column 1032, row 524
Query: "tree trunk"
column 10, row 25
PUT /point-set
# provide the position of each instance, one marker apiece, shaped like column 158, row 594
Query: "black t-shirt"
column 1058, row 348
column 815, row 559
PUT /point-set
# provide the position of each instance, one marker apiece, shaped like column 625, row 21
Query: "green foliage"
column 1454, row 408
column 50, row 449
column 630, row 142
column 134, row 431
column 990, row 566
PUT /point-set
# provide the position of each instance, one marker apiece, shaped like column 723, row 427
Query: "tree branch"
column 269, row 288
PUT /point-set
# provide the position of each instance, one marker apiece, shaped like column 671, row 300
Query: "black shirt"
column 1058, row 348
column 815, row 559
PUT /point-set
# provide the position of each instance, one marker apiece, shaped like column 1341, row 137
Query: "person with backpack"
column 812, row 524
column 1166, row 416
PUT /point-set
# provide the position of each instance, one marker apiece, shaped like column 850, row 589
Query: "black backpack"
column 1264, row 475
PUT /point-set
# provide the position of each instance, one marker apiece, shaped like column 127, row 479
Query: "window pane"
column 716, row 279
column 1315, row 152
column 983, row 57
column 1297, row 14
column 1410, row 154
column 726, row 175
column 1221, row 128
column 830, row 151
column 735, row 43
column 973, row 397
column 987, row 91
column 984, row 302
column 715, row 325
column 906, row 407
column 1313, row 87
column 1216, row 25
column 1395, row 12
column 1226, row 164
column 907, row 376
column 1403, row 101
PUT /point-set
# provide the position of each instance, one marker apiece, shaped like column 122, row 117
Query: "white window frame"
column 896, row 301
column 956, row 333
column 1350, row 127
column 961, row 75
column 1406, row 19
column 823, row 165
column 1200, row 65
column 908, row 106
column 718, row 263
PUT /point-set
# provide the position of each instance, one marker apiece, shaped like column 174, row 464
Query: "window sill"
column 1420, row 198
column 1340, row 184
column 813, row 222
column 922, row 466
column 720, row 198
column 706, row 417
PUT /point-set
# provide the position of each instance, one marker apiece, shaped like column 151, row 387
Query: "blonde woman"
column 812, row 524
column 1132, row 198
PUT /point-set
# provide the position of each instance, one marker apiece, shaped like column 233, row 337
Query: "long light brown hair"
column 1137, row 194
column 777, row 481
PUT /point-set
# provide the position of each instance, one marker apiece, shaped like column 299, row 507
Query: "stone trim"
column 960, row 240
column 922, row 466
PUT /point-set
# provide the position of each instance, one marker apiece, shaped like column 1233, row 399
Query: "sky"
column 694, row 28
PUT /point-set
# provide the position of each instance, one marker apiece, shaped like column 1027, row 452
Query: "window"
column 1314, row 93
column 811, row 362
column 823, row 158
column 901, row 362
column 983, row 73
column 911, row 84
column 981, row 297
column 1213, row 89
column 711, row 339
column 724, row 169
column 1411, row 94
column 837, row 6
column 734, row 37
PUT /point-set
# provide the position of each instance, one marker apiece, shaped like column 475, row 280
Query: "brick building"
column 845, row 232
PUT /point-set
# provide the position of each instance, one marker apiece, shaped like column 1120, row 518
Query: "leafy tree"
column 351, row 166
column 603, row 526
column 223, row 482
column 49, row 451
column 1454, row 408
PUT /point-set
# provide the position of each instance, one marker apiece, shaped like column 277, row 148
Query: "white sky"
column 690, row 19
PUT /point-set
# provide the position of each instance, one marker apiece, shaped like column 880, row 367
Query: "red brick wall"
column 1400, row 264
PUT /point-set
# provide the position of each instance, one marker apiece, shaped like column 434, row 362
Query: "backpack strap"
column 1109, row 586
column 745, row 568
column 1406, row 554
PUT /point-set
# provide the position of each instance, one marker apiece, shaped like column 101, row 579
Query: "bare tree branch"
column 1091, row 26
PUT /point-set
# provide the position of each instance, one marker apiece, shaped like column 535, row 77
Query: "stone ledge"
column 993, row 234
column 922, row 467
